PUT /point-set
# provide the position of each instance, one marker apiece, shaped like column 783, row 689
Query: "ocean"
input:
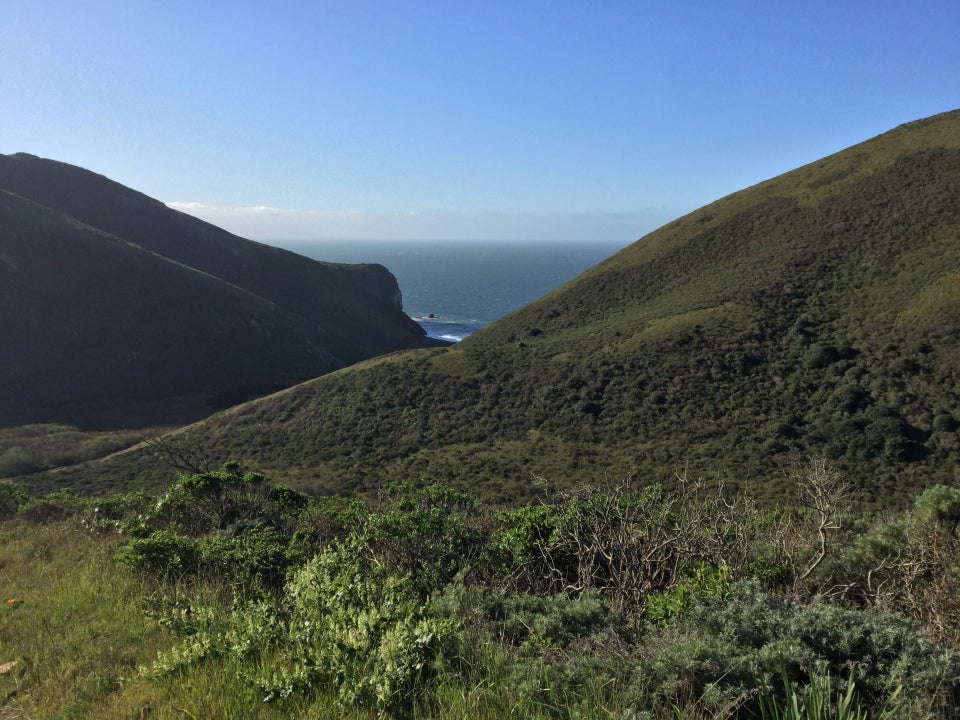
column 454, row 288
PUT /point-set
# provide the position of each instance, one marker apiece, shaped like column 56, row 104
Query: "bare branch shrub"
column 805, row 536
column 912, row 563
column 629, row 541
column 180, row 454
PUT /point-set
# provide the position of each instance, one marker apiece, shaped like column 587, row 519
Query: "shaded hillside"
column 357, row 306
column 101, row 326
column 816, row 312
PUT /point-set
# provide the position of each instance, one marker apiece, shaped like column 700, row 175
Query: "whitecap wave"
column 449, row 329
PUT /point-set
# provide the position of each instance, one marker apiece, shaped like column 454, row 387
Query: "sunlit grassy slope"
column 815, row 312
column 79, row 628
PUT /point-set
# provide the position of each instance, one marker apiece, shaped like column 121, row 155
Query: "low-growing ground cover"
column 229, row 596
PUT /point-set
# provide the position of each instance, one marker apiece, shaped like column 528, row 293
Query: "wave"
column 449, row 329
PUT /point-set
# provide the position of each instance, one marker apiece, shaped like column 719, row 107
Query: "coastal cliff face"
column 112, row 302
column 379, row 282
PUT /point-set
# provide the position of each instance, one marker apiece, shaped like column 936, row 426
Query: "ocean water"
column 454, row 288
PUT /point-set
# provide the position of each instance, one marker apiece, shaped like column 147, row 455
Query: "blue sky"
column 484, row 119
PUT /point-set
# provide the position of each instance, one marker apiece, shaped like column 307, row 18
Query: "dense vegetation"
column 230, row 596
column 818, row 312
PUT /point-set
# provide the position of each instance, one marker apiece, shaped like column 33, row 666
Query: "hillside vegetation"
column 227, row 596
column 118, row 312
column 817, row 312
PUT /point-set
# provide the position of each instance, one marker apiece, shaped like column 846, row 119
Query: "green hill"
column 116, row 311
column 817, row 312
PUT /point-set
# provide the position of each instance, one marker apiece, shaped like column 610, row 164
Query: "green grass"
column 80, row 630
column 936, row 299
column 77, row 630
column 820, row 701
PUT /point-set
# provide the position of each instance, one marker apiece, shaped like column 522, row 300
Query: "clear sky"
column 476, row 119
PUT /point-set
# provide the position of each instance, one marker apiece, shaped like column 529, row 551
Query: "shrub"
column 422, row 533
column 225, row 525
column 520, row 546
column 58, row 505
column 255, row 560
column 340, row 622
column 211, row 501
column 702, row 582
column 548, row 621
column 945, row 422
column 124, row 514
column 258, row 558
column 912, row 563
column 287, row 498
column 12, row 497
column 628, row 543
column 163, row 552
column 821, row 356
column 723, row 650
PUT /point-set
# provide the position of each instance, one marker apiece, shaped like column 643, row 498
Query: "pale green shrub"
column 339, row 622
column 724, row 649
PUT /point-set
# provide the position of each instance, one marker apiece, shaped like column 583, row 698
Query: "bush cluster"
column 628, row 597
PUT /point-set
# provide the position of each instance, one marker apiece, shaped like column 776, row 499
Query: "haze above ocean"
column 454, row 288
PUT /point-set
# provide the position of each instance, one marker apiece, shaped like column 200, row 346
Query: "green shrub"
column 821, row 356
column 945, row 422
column 257, row 558
column 124, row 514
column 422, row 533
column 12, row 497
column 354, row 624
column 287, row 498
column 227, row 526
column 911, row 563
column 163, row 552
column 702, row 582
column 552, row 621
column 340, row 622
column 58, row 505
column 520, row 546
column 722, row 650
column 938, row 508
column 211, row 501
column 772, row 574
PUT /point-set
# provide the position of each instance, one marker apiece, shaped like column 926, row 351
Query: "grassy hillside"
column 117, row 311
column 815, row 312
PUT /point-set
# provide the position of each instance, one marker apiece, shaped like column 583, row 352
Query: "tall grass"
column 819, row 701
column 74, row 626
column 80, row 628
